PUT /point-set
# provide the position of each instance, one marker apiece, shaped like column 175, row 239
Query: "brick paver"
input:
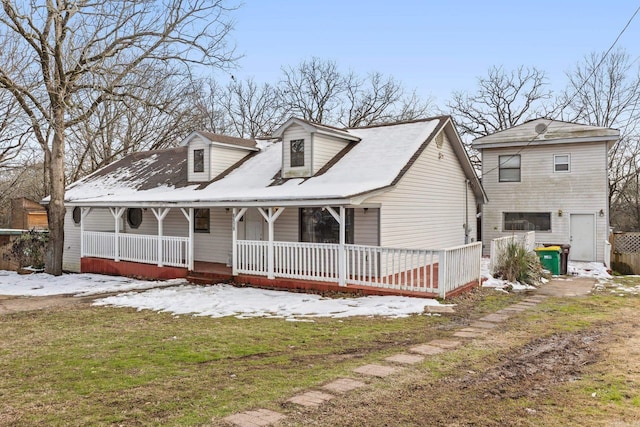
column 404, row 358
column 467, row 334
column 445, row 343
column 494, row 317
column 511, row 309
column 311, row 398
column 374, row 370
column 257, row 418
column 483, row 325
column 343, row 385
column 426, row 349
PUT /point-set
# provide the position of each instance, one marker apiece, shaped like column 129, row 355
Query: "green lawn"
column 100, row 366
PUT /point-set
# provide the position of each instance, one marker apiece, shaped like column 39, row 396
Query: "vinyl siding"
column 426, row 209
column 198, row 144
column 97, row 220
column 223, row 158
column 583, row 190
column 296, row 132
column 214, row 246
column 324, row 149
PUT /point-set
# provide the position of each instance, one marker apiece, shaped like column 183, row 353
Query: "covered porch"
column 320, row 266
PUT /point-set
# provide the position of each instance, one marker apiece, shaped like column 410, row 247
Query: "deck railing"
column 459, row 266
column 498, row 246
column 309, row 261
column 136, row 248
column 392, row 268
column 417, row 270
column 252, row 257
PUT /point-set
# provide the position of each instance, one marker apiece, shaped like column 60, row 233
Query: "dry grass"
column 86, row 365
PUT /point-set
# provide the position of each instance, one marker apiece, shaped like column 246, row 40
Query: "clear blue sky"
column 435, row 47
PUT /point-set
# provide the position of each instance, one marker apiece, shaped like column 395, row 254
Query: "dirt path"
column 13, row 304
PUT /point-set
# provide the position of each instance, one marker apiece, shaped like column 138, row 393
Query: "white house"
column 372, row 206
column 552, row 177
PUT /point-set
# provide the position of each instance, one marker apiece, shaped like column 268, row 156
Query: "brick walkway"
column 313, row 398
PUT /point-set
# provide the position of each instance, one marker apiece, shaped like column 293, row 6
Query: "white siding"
column 198, row 144
column 296, row 132
column 286, row 228
column 222, row 158
column 214, row 246
column 583, row 190
column 366, row 230
column 324, row 149
column 97, row 220
column 426, row 209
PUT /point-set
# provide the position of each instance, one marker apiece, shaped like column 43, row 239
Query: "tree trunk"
column 55, row 246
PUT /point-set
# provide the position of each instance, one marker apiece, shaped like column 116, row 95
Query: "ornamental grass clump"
column 516, row 264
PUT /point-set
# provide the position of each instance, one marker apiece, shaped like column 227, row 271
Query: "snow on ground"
column 225, row 300
column 596, row 270
column 177, row 297
column 41, row 284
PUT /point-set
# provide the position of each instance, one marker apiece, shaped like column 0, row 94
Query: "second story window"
column 561, row 163
column 297, row 152
column 198, row 160
column 509, row 168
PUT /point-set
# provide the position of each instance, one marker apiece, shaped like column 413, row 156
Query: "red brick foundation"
column 130, row 269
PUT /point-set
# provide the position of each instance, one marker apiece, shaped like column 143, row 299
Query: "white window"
column 527, row 221
column 561, row 163
column 198, row 160
column 509, row 168
column 297, row 152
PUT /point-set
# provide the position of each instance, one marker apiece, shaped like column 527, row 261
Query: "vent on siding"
column 440, row 140
column 541, row 128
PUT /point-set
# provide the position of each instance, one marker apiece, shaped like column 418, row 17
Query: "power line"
column 576, row 92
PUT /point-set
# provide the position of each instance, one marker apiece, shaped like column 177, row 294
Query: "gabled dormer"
column 307, row 147
column 210, row 154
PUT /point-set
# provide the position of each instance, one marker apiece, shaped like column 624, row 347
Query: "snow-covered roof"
column 547, row 131
column 375, row 163
column 222, row 140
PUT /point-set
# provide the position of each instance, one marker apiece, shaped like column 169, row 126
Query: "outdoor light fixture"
column 601, row 213
column 559, row 212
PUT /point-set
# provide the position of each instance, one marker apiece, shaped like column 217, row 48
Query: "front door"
column 253, row 225
column 583, row 237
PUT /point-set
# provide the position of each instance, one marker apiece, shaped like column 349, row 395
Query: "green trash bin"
column 550, row 258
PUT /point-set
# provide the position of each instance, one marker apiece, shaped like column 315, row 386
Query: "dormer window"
column 297, row 152
column 198, row 160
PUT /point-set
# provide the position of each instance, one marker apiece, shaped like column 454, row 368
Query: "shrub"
column 516, row 264
column 29, row 249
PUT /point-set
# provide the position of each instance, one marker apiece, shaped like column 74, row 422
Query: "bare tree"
column 503, row 100
column 74, row 56
column 313, row 89
column 604, row 90
column 251, row 110
column 122, row 126
column 378, row 99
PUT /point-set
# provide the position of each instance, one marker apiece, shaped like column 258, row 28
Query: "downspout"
column 466, row 212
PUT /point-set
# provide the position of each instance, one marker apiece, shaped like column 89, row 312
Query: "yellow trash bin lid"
column 548, row 249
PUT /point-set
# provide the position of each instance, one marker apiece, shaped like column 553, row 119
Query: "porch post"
column 188, row 214
column 117, row 215
column 235, row 218
column 271, row 217
column 342, row 258
column 160, row 214
column 342, row 265
column 83, row 213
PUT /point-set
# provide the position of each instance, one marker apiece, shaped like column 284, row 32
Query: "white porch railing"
column 527, row 240
column 252, row 257
column 459, row 266
column 391, row 268
column 136, row 248
column 310, row 261
column 417, row 270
